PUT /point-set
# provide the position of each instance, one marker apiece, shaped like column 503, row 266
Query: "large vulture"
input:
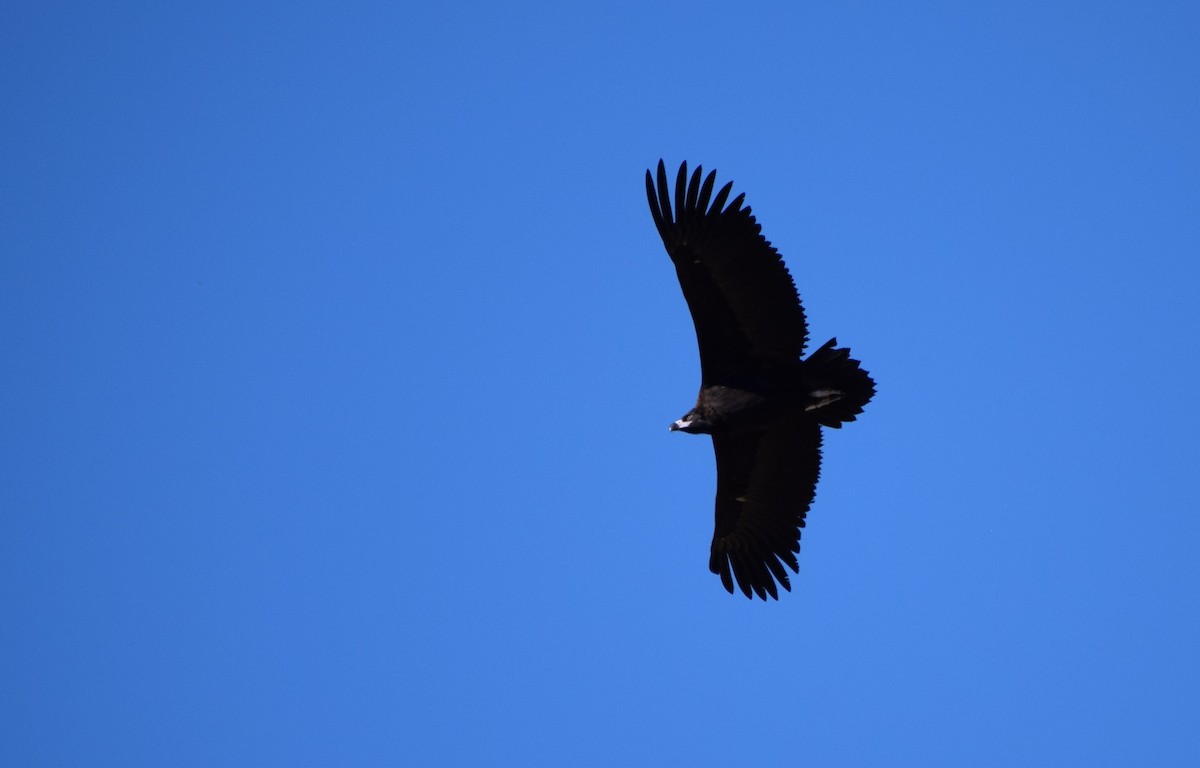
column 761, row 401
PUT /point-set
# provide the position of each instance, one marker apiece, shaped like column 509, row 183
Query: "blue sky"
column 339, row 352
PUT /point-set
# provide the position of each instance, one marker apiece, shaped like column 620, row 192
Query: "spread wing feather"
column 766, row 482
column 742, row 299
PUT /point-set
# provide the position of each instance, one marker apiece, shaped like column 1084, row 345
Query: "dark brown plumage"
column 763, row 404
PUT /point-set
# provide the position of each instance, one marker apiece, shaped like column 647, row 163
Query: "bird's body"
column 760, row 400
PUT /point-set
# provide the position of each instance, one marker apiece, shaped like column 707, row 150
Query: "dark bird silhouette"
column 761, row 401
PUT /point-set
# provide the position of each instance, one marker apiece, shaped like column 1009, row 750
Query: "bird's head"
column 693, row 422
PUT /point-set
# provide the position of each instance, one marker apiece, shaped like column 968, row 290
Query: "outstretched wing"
column 743, row 301
column 766, row 482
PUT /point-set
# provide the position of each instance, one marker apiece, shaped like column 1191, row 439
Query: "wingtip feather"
column 706, row 193
column 664, row 197
column 652, row 198
column 718, row 204
column 694, row 188
column 680, row 192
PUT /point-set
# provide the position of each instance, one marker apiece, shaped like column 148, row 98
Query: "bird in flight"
column 762, row 402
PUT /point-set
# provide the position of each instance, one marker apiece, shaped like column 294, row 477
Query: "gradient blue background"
column 339, row 351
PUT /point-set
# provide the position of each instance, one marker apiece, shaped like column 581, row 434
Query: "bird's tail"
column 839, row 387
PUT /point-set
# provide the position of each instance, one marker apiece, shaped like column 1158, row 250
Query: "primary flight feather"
column 760, row 400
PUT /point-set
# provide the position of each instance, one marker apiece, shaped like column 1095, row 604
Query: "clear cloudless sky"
column 338, row 349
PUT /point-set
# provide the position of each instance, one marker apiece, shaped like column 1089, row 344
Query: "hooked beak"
column 680, row 424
